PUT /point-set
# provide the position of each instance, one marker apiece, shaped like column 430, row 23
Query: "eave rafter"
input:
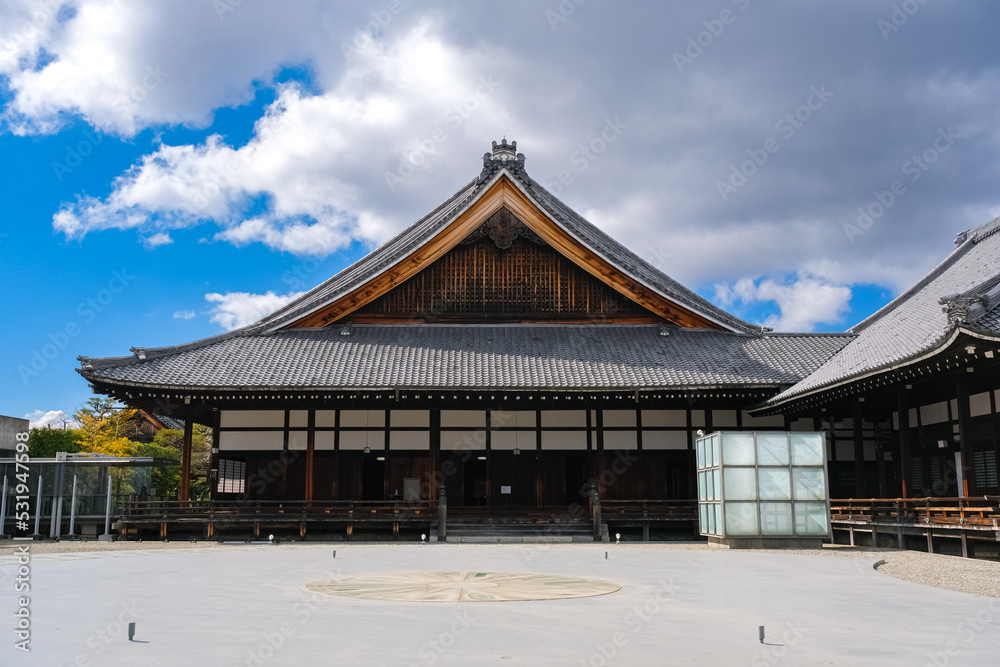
column 503, row 193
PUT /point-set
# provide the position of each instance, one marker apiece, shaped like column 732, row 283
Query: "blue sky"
column 170, row 170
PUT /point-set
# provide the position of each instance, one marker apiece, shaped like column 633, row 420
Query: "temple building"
column 505, row 349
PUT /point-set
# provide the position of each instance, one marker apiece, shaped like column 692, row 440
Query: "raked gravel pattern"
column 964, row 575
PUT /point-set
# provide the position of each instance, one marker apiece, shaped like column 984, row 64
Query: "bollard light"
column 761, row 633
column 618, row 538
column 334, row 553
column 270, row 538
column 131, row 630
column 605, row 555
column 423, row 537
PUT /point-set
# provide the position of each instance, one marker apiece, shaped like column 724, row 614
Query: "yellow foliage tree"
column 102, row 428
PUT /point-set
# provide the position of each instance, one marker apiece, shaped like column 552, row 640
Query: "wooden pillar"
column 310, row 455
column 860, row 483
column 880, row 444
column 489, row 458
column 538, row 458
column 213, row 467
column 601, row 491
column 434, row 455
column 185, row 490
column 905, row 446
column 965, row 436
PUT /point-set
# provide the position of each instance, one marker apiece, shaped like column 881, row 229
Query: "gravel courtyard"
column 212, row 604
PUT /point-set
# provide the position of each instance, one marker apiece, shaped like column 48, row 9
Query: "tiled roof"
column 427, row 227
column 916, row 321
column 557, row 356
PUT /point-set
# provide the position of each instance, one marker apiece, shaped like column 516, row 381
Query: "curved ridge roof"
column 922, row 318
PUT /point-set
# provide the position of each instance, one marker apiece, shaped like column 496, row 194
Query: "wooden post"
column 903, row 408
column 443, row 516
column 965, row 544
column 860, row 480
column 310, row 457
column 434, row 455
column 965, row 437
column 597, row 517
column 185, row 490
column 930, row 542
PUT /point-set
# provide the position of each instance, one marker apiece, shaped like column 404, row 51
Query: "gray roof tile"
column 915, row 322
column 479, row 356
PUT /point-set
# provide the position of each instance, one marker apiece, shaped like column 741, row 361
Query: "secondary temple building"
column 505, row 349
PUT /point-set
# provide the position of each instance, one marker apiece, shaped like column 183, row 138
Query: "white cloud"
column 157, row 239
column 124, row 66
column 184, row 314
column 803, row 303
column 50, row 419
column 306, row 160
column 238, row 309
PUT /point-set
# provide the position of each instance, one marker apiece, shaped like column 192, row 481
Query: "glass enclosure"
column 763, row 484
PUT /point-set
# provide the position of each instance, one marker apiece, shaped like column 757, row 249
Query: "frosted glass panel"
column 703, row 517
column 717, row 484
column 702, row 486
column 700, row 446
column 772, row 449
column 715, row 458
column 811, row 519
column 741, row 519
column 776, row 518
column 741, row 484
column 809, row 484
column 717, row 527
column 774, row 484
column 737, row 449
column 807, row 449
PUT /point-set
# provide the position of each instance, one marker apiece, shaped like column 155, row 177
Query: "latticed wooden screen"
column 507, row 274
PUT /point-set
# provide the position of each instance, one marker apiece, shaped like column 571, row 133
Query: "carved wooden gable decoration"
column 504, row 260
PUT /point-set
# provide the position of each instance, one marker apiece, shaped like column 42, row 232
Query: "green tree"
column 43, row 443
column 170, row 442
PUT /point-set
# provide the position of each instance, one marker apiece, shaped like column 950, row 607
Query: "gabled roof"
column 470, row 356
column 502, row 171
column 961, row 293
column 281, row 351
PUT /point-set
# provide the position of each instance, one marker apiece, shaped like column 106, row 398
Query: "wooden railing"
column 980, row 511
column 649, row 510
column 235, row 511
